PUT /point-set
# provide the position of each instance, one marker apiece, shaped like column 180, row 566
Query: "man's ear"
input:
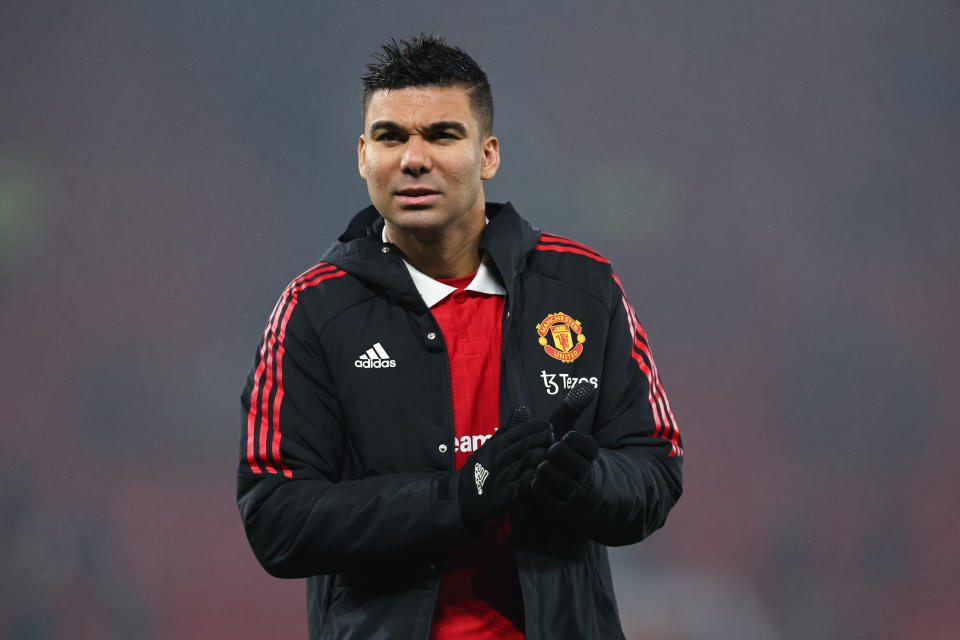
column 362, row 157
column 490, row 148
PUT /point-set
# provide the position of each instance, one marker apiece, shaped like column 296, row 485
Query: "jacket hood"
column 508, row 239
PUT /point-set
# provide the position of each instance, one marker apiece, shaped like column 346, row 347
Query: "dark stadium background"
column 775, row 182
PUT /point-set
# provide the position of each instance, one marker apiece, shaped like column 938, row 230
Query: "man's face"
column 423, row 157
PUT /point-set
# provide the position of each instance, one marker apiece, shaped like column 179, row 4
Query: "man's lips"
column 417, row 196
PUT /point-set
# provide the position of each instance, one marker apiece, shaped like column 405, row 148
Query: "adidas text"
column 375, row 364
column 375, row 358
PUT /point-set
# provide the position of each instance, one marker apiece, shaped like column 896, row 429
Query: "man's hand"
column 499, row 474
column 513, row 464
column 565, row 474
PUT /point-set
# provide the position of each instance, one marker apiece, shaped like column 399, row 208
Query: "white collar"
column 433, row 291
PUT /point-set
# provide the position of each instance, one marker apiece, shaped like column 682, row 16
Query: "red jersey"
column 479, row 593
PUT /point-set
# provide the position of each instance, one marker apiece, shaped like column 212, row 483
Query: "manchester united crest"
column 566, row 337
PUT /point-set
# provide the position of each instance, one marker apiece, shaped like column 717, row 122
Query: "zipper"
column 517, row 390
column 518, row 396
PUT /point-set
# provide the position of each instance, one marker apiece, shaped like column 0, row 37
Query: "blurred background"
column 777, row 184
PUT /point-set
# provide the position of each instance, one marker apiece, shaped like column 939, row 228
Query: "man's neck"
column 451, row 252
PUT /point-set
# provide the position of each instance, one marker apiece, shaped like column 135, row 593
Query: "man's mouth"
column 417, row 196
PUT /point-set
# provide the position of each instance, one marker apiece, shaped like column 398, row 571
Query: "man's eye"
column 388, row 137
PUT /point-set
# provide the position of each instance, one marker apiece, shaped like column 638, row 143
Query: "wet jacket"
column 345, row 466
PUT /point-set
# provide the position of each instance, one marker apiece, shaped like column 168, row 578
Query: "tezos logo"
column 554, row 382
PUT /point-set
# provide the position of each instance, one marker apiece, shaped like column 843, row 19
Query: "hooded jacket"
column 347, row 444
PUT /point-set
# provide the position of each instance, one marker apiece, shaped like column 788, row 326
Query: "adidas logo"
column 375, row 358
column 480, row 475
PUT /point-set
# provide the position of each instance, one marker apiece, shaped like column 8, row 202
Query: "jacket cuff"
column 582, row 505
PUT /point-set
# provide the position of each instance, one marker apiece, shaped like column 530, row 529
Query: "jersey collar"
column 433, row 291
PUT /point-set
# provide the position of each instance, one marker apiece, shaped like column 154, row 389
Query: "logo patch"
column 480, row 476
column 375, row 358
column 554, row 382
column 567, row 337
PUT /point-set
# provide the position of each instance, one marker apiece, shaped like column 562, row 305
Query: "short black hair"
column 428, row 61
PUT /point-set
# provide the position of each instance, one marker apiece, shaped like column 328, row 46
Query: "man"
column 388, row 452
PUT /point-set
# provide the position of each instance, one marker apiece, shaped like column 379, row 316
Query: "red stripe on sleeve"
column 554, row 238
column 279, row 398
column 565, row 249
column 261, row 366
column 666, row 425
column 255, row 393
column 271, row 351
column 268, row 385
column 665, row 402
column 656, row 390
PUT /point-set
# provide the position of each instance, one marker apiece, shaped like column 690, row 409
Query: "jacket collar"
column 507, row 241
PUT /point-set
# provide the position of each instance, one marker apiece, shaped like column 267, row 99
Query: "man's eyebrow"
column 449, row 125
column 384, row 124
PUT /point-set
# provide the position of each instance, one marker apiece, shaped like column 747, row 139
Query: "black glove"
column 565, row 471
column 570, row 408
column 499, row 474
column 565, row 474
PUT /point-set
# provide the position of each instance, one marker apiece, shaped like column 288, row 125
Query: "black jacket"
column 344, row 467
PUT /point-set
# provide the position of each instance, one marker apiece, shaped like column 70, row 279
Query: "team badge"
column 567, row 334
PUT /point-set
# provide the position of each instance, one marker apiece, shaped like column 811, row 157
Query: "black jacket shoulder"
column 576, row 265
column 323, row 292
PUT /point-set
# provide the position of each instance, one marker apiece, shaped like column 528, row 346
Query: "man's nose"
column 416, row 157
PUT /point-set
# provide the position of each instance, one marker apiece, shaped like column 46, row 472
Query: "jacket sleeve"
column 637, row 476
column 299, row 518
